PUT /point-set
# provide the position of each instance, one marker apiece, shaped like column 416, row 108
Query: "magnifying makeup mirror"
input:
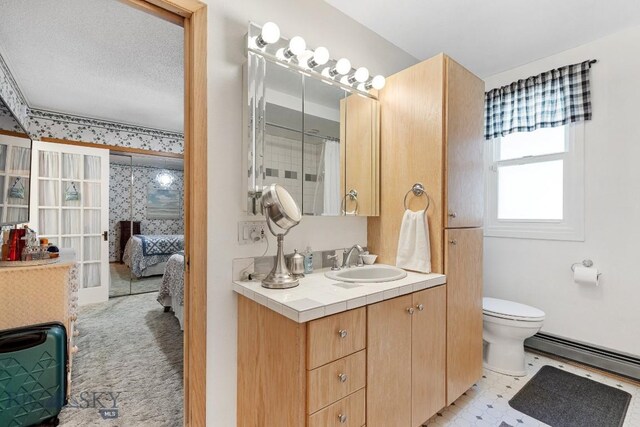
column 279, row 208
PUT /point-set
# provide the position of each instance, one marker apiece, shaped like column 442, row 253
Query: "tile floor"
column 487, row 403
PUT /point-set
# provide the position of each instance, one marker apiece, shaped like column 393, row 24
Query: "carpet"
column 562, row 399
column 128, row 370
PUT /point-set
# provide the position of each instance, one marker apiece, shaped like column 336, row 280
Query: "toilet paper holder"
column 585, row 262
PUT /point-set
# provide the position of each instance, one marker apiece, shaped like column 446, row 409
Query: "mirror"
column 15, row 169
column 315, row 139
column 281, row 209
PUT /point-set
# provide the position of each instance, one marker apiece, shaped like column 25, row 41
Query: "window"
column 535, row 184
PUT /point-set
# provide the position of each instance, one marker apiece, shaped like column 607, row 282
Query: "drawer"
column 348, row 412
column 334, row 337
column 330, row 383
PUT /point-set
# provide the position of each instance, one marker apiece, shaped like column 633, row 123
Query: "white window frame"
column 571, row 227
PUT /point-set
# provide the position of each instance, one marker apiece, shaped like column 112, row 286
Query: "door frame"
column 193, row 15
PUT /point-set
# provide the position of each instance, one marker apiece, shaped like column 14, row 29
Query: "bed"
column 171, row 293
column 147, row 255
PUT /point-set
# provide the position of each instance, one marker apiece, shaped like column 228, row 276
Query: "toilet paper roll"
column 586, row 275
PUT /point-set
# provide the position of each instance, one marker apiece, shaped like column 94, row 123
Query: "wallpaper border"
column 12, row 95
column 35, row 113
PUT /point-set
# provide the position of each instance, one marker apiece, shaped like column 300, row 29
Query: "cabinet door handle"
column 342, row 378
column 453, row 214
column 410, row 310
column 453, row 242
column 420, row 307
column 342, row 333
column 342, row 418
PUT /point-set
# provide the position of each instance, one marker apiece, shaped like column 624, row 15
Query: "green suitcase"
column 33, row 367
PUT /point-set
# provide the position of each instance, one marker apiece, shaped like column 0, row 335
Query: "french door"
column 70, row 207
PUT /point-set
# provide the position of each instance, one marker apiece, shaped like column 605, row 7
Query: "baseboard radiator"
column 598, row 357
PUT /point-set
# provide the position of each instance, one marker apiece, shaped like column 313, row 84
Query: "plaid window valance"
column 553, row 98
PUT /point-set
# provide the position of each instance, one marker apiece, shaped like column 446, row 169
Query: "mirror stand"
column 280, row 277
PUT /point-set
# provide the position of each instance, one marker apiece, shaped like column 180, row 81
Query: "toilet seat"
column 510, row 310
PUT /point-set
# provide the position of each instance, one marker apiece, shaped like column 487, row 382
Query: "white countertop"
column 317, row 296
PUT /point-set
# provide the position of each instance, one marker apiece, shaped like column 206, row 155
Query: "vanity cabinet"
column 300, row 374
column 406, row 359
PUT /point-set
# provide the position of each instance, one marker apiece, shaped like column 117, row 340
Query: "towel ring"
column 353, row 195
column 418, row 190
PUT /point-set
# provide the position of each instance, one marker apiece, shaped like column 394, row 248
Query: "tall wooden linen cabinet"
column 432, row 133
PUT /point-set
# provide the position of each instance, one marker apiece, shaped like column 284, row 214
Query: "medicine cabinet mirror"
column 315, row 139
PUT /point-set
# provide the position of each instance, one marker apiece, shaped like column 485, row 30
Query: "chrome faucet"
column 347, row 254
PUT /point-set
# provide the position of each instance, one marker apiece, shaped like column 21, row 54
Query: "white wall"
column 537, row 272
column 319, row 24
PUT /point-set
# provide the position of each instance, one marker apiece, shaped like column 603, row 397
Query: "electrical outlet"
column 251, row 232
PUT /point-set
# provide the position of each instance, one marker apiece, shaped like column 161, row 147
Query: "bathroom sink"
column 368, row 273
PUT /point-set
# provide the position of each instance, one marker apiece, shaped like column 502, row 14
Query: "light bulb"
column 304, row 58
column 320, row 57
column 270, row 33
column 297, row 45
column 378, row 82
column 361, row 75
column 343, row 66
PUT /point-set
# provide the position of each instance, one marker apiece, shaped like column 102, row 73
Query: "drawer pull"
column 453, row 242
column 342, row 378
column 420, row 307
column 410, row 310
column 342, row 333
column 453, row 214
column 342, row 418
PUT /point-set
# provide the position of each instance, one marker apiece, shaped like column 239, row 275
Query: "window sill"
column 532, row 233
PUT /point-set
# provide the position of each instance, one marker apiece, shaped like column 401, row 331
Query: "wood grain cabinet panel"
column 463, row 267
column 428, row 354
column 333, row 337
column 271, row 368
column 389, row 363
column 464, row 149
column 348, row 412
column 330, row 383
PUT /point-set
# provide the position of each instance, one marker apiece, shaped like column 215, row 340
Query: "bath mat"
column 562, row 399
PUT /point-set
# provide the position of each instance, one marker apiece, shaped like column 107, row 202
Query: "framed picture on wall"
column 163, row 203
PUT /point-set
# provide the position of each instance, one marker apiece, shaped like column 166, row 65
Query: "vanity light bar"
column 294, row 54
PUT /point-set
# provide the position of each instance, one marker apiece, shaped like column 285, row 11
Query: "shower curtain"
column 331, row 178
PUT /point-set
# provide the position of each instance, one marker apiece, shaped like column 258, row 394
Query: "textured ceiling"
column 491, row 36
column 95, row 58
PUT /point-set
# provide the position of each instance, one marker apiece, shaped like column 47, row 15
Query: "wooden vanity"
column 381, row 364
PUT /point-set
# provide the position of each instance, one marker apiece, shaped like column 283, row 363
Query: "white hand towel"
column 414, row 252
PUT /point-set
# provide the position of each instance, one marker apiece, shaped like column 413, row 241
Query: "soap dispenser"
column 308, row 261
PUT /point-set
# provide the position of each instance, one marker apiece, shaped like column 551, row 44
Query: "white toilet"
column 506, row 324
